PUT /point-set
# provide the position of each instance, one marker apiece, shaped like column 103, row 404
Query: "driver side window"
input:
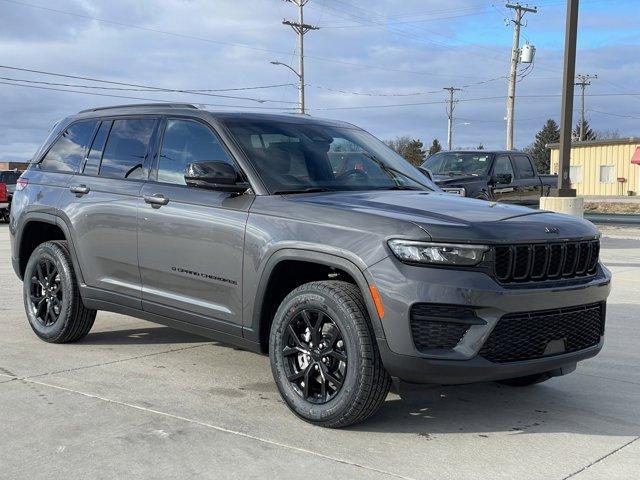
column 503, row 166
column 185, row 142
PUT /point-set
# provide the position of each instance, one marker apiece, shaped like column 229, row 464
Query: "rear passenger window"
column 68, row 151
column 185, row 142
column 523, row 166
column 126, row 148
column 95, row 154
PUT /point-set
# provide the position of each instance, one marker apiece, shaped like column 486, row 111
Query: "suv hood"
column 449, row 217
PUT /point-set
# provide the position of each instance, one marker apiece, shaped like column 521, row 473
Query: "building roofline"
column 592, row 143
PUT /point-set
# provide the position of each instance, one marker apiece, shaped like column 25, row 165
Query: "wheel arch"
column 268, row 295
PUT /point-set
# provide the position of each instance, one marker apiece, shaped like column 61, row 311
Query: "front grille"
column 525, row 336
column 440, row 326
column 549, row 261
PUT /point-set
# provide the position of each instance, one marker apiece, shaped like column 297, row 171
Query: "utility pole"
column 451, row 104
column 515, row 54
column 300, row 28
column 568, row 78
column 582, row 83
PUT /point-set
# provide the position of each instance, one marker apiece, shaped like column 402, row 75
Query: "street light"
column 300, row 81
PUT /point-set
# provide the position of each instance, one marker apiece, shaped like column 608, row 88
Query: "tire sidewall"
column 50, row 252
column 293, row 304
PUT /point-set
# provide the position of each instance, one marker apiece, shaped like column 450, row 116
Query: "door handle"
column 79, row 190
column 156, row 200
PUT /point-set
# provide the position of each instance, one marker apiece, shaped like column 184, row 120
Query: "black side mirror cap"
column 215, row 175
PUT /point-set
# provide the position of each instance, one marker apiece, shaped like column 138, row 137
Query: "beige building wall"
column 597, row 165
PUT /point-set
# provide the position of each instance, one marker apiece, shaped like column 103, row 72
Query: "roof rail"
column 142, row 105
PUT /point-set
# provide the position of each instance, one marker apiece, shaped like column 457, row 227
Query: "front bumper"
column 401, row 286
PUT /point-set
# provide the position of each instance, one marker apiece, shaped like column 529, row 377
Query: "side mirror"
column 214, row 176
column 427, row 173
column 503, row 178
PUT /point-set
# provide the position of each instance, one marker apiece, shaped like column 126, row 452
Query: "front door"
column 505, row 188
column 191, row 240
column 529, row 183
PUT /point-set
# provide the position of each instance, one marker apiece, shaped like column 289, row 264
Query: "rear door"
column 191, row 239
column 530, row 187
column 505, row 188
column 101, row 205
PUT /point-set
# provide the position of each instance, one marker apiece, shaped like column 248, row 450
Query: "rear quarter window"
column 68, row 151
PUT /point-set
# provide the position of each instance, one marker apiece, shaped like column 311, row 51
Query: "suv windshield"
column 301, row 157
column 453, row 163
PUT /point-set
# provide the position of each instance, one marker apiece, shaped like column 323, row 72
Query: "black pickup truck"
column 499, row 176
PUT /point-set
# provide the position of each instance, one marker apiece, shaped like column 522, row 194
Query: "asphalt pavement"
column 138, row 400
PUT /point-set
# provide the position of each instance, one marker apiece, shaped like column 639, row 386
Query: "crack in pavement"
column 218, row 428
column 608, row 378
column 121, row 360
column 601, row 459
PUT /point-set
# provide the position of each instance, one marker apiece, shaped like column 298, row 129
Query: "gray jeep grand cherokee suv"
column 304, row 238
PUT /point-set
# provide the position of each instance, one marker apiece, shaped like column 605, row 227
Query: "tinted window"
column 68, row 151
column 95, row 154
column 523, row 166
column 126, row 149
column 9, row 178
column 503, row 166
column 187, row 142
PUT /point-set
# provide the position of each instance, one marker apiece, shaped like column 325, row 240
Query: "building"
column 603, row 167
column 13, row 165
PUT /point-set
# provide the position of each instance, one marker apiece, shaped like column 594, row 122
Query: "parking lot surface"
column 138, row 400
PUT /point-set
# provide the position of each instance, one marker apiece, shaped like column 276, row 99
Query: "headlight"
column 437, row 253
column 456, row 191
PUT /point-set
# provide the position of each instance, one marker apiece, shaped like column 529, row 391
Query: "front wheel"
column 51, row 297
column 324, row 357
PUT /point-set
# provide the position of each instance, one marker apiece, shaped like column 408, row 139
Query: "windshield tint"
column 453, row 163
column 296, row 157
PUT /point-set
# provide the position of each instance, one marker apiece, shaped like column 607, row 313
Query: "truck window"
column 126, row 149
column 69, row 149
column 523, row 166
column 9, row 178
column 503, row 166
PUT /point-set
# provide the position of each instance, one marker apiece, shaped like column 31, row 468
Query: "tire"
column 353, row 360
column 5, row 216
column 52, row 301
column 525, row 381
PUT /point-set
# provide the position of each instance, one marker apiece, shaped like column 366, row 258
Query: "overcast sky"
column 378, row 52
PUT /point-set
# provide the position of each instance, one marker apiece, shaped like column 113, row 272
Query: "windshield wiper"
column 304, row 190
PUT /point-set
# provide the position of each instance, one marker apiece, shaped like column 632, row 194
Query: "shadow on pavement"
column 142, row 336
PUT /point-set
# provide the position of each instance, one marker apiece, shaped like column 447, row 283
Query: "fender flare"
column 362, row 278
column 52, row 219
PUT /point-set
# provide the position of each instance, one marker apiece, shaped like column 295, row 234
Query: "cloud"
column 407, row 46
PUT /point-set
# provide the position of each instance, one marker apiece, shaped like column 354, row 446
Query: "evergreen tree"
column 414, row 152
column 435, row 147
column 550, row 133
column 588, row 133
column 481, row 147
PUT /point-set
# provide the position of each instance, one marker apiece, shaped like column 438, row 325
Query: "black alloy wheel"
column 315, row 356
column 45, row 292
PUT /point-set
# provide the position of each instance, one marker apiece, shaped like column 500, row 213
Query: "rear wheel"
column 324, row 357
column 525, row 381
column 51, row 297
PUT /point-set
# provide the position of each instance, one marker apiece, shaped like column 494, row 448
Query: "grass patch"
column 602, row 207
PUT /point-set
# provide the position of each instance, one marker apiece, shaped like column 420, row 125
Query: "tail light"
column 3, row 192
column 21, row 184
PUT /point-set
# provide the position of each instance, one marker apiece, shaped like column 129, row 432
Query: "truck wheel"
column 324, row 356
column 5, row 215
column 525, row 381
column 51, row 297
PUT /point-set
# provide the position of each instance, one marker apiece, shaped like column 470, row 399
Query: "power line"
column 140, row 98
column 140, row 86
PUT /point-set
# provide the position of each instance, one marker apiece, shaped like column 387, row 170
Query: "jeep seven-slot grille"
column 529, row 335
column 439, row 326
column 546, row 261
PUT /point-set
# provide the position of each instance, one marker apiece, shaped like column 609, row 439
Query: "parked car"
column 499, row 176
column 8, row 179
column 351, row 270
